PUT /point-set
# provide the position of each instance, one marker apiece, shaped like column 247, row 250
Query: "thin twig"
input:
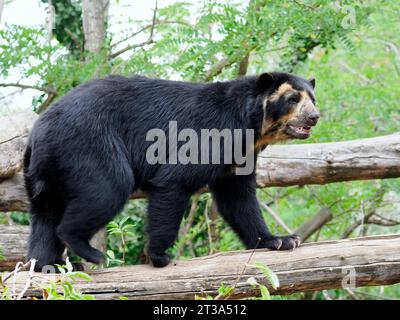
column 148, row 41
column 210, row 250
column 275, row 216
column 18, row 267
column 304, row 5
column 158, row 22
column 242, row 273
column 12, row 138
column 27, row 86
column 363, row 218
column 355, row 225
column 213, row 221
column 29, row 280
column 186, row 227
column 355, row 72
column 352, row 294
column 275, row 197
column 383, row 221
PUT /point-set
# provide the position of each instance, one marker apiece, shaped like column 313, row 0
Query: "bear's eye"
column 293, row 100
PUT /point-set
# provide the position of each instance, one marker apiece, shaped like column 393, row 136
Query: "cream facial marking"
column 283, row 89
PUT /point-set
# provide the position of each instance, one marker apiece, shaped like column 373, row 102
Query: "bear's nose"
column 313, row 118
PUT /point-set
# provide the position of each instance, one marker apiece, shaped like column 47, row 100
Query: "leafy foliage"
column 68, row 25
column 225, row 292
column 215, row 44
column 62, row 288
column 225, row 33
column 121, row 229
column 126, row 235
column 59, row 288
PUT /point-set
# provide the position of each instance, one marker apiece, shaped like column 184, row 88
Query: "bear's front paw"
column 281, row 243
column 159, row 260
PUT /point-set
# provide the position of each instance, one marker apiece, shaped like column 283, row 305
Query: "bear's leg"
column 44, row 245
column 89, row 211
column 237, row 203
column 166, row 209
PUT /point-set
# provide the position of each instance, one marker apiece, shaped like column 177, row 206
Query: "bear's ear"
column 265, row 81
column 312, row 82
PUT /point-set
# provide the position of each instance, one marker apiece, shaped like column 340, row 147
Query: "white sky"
column 33, row 13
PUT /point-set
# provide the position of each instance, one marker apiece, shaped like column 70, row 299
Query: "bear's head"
column 288, row 104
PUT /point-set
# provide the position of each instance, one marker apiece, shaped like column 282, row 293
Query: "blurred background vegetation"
column 351, row 47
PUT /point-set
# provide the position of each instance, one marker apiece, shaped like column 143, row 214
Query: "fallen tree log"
column 13, row 195
column 367, row 261
column 278, row 165
column 322, row 163
column 13, row 138
column 13, row 245
column 14, row 239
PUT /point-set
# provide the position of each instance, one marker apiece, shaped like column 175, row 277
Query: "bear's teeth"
column 302, row 129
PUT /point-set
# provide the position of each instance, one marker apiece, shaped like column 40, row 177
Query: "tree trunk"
column 1, row 8
column 368, row 261
column 94, row 17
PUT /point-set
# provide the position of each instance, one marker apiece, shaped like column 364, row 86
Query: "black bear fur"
column 86, row 155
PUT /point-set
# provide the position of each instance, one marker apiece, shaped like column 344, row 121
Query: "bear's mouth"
column 299, row 132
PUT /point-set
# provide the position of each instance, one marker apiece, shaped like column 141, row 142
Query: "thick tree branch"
column 308, row 228
column 368, row 261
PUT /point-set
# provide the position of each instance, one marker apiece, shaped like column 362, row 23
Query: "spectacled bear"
column 87, row 153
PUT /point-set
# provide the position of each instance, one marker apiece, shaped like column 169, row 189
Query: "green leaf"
column 264, row 293
column 111, row 254
column 83, row 275
column 223, row 290
column 270, row 275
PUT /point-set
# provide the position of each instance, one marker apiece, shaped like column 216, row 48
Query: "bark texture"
column 13, row 245
column 94, row 16
column 356, row 262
